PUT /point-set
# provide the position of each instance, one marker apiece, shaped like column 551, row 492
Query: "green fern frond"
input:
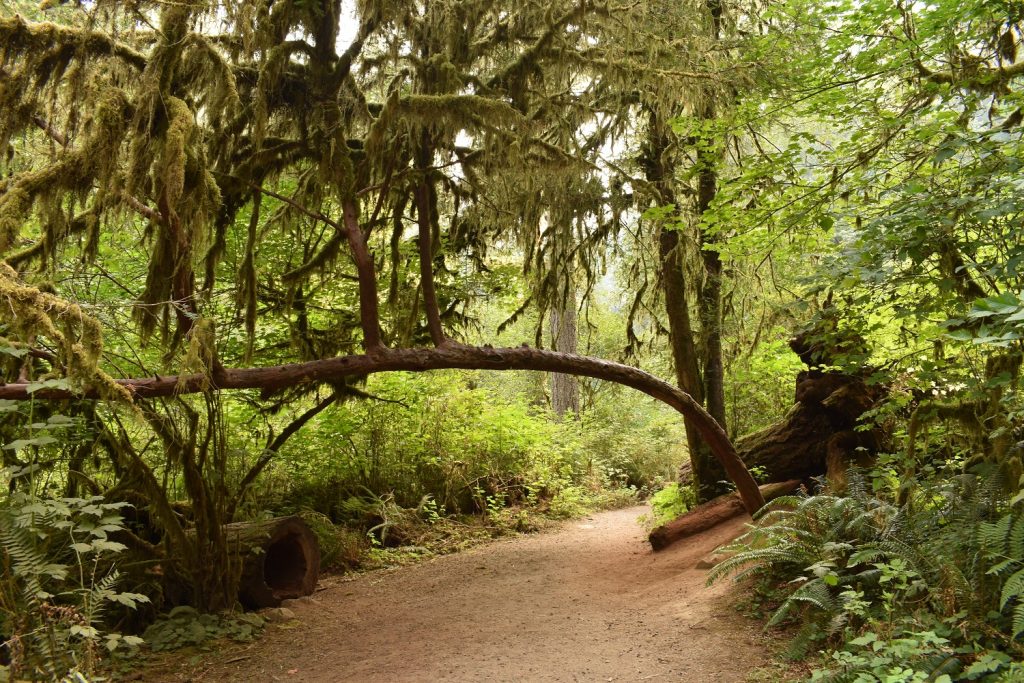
column 1015, row 546
column 814, row 592
column 1012, row 589
column 758, row 556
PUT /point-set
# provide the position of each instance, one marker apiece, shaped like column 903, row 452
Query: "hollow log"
column 280, row 560
column 712, row 513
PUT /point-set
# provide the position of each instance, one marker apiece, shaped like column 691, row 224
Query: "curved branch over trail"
column 447, row 356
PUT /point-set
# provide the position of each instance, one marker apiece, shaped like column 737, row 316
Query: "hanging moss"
column 30, row 313
column 174, row 128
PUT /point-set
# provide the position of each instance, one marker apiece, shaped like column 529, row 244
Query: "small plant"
column 670, row 502
column 185, row 626
column 910, row 656
column 569, row 502
column 58, row 579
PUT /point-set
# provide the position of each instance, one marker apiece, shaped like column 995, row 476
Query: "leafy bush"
column 57, row 581
column 670, row 502
column 458, row 442
column 1002, row 543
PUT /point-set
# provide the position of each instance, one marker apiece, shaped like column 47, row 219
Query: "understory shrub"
column 58, row 586
column 451, row 443
column 927, row 591
column 670, row 502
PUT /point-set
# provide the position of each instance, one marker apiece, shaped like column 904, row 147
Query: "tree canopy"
column 220, row 222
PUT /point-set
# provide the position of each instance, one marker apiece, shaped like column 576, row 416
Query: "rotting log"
column 712, row 513
column 819, row 433
column 448, row 356
column 280, row 560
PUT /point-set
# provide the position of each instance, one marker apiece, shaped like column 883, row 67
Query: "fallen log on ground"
column 711, row 514
column 280, row 560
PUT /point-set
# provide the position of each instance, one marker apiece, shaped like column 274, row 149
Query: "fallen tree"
column 280, row 560
column 712, row 513
column 822, row 432
column 818, row 435
column 447, row 355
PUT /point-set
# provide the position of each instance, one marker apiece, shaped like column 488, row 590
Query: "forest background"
column 236, row 236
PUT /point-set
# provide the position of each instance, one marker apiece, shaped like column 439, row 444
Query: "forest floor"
column 587, row 601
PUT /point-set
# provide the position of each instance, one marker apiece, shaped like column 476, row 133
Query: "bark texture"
column 819, row 434
column 280, row 560
column 565, row 389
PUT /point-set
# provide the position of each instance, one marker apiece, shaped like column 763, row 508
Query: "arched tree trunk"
column 447, row 356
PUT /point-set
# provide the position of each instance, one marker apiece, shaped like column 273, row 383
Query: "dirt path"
column 588, row 602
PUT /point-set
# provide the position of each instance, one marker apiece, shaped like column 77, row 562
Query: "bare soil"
column 588, row 601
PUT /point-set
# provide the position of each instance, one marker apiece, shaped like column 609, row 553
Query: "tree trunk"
column 448, row 356
column 565, row 389
column 660, row 171
column 711, row 292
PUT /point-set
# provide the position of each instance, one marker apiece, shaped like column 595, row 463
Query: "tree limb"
column 449, row 356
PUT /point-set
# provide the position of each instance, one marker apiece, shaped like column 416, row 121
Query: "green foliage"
column 57, row 584
column 340, row 547
column 1002, row 543
column 670, row 502
column 185, row 626
column 905, row 657
column 452, row 442
column 907, row 592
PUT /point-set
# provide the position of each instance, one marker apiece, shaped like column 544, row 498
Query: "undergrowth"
column 928, row 591
column 58, row 587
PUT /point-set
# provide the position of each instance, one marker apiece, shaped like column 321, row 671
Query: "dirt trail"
column 587, row 602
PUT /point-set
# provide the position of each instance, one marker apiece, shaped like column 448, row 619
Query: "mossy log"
column 280, row 560
column 711, row 514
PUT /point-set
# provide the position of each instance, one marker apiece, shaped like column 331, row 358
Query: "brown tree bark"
column 565, row 389
column 660, row 170
column 711, row 513
column 280, row 560
column 369, row 316
column 448, row 356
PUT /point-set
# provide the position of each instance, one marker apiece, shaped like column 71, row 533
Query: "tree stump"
column 820, row 434
column 280, row 560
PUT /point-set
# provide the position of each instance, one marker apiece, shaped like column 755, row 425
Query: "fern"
column 959, row 549
column 53, row 612
column 1002, row 543
column 814, row 593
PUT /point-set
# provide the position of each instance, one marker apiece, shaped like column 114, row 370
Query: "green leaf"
column 61, row 384
column 14, row 351
column 865, row 639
